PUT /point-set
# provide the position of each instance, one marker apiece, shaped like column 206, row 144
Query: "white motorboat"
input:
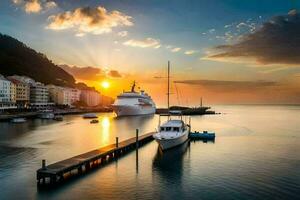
column 18, row 120
column 134, row 103
column 89, row 116
column 172, row 133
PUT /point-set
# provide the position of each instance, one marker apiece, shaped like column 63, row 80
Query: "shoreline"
column 34, row 114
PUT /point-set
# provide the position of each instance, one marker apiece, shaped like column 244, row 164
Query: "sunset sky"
column 228, row 51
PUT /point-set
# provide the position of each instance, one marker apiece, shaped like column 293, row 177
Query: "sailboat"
column 173, row 132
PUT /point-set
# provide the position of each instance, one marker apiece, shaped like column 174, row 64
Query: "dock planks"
column 55, row 173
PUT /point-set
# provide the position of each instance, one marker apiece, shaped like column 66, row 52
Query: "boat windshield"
column 175, row 129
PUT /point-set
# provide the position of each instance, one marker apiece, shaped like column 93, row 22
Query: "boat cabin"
column 172, row 126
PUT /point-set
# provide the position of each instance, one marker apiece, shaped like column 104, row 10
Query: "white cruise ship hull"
column 128, row 110
column 170, row 143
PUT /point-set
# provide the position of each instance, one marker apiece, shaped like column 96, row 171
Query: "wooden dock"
column 56, row 173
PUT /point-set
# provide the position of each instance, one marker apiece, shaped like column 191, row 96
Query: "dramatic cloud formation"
column 35, row 6
column 148, row 42
column 89, row 20
column 276, row 42
column 222, row 85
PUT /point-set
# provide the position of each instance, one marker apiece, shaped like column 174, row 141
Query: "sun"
column 105, row 84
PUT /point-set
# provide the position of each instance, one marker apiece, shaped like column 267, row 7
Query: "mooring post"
column 43, row 164
column 137, row 150
column 137, row 138
column 190, row 124
column 117, row 142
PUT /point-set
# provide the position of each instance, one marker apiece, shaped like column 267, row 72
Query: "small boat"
column 89, row 116
column 58, row 118
column 172, row 133
column 94, row 121
column 46, row 115
column 202, row 136
column 18, row 120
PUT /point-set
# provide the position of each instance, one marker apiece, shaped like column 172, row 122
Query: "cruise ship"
column 134, row 103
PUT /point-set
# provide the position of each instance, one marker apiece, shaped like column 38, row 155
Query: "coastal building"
column 38, row 92
column 63, row 95
column 22, row 94
column 6, row 94
column 90, row 97
column 23, row 79
column 13, row 92
column 39, row 95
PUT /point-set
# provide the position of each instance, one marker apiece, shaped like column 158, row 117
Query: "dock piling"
column 137, row 149
column 43, row 164
column 117, row 142
column 137, row 138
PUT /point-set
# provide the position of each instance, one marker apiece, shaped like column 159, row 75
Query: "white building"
column 63, row 96
column 39, row 95
column 23, row 79
column 91, row 98
column 7, row 94
column 22, row 97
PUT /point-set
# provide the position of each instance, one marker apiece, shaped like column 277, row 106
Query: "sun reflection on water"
column 105, row 125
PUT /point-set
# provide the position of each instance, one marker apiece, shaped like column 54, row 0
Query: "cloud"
column 50, row 5
column 176, row 49
column 35, row 6
column 212, row 30
column 297, row 75
column 228, row 25
column 148, row 42
column 89, row 20
column 276, row 42
column 90, row 73
column 277, row 69
column 123, row 33
column 79, row 34
column 189, row 52
column 84, row 73
column 227, row 86
column 114, row 74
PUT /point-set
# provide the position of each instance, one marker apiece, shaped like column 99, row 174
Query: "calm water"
column 256, row 155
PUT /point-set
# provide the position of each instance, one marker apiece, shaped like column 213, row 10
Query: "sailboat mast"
column 168, row 85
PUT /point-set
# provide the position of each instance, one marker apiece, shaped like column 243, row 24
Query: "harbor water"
column 256, row 155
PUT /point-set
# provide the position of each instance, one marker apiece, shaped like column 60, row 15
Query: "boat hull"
column 127, row 110
column 18, row 120
column 46, row 116
column 165, row 144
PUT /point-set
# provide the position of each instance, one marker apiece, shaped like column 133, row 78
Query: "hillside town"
column 21, row 93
